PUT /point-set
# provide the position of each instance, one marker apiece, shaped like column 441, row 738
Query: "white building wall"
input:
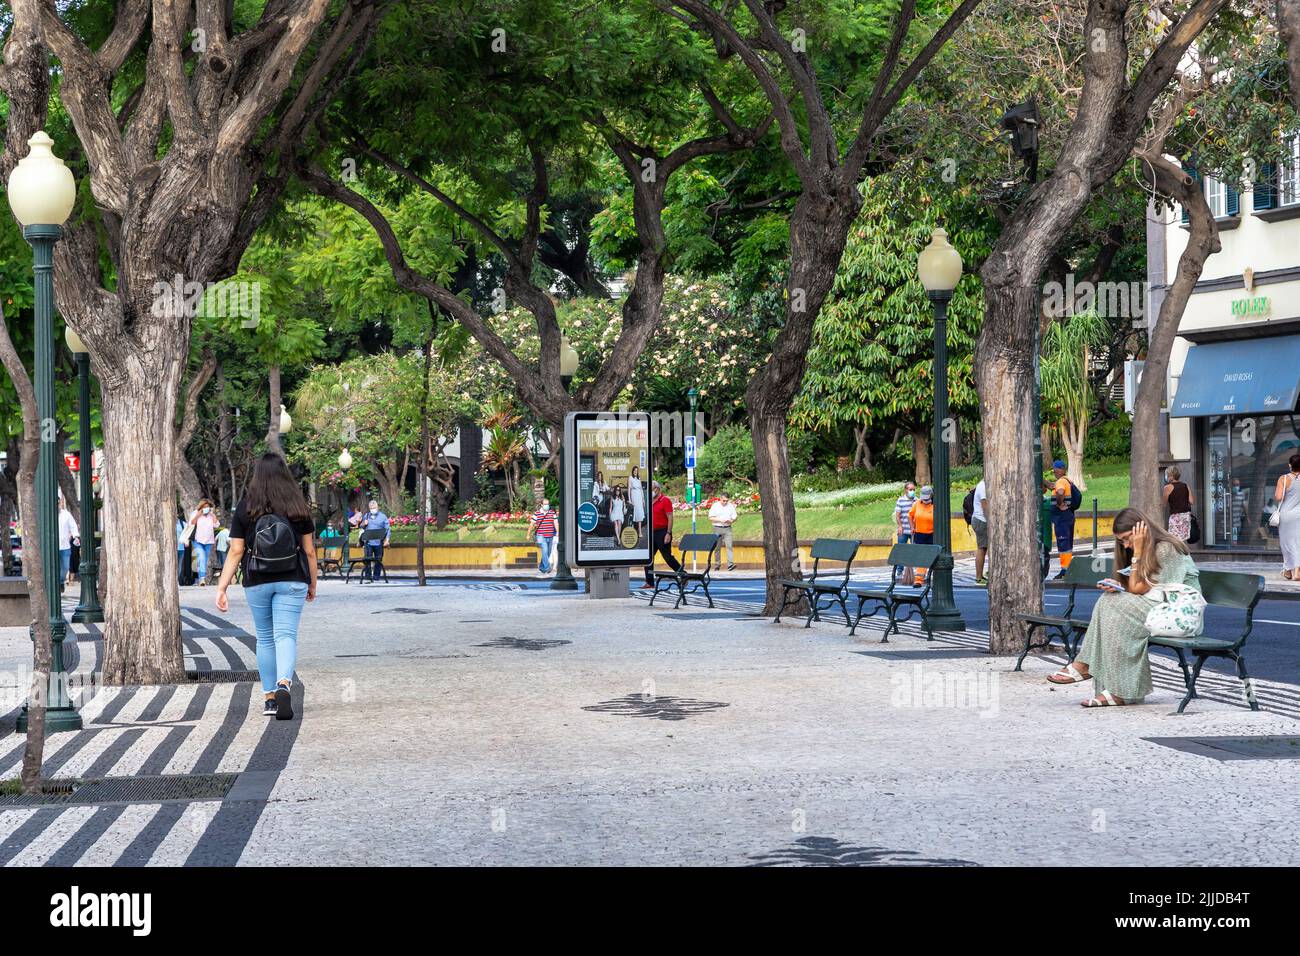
column 1255, row 244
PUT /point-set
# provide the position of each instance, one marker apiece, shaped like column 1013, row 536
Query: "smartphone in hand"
column 1110, row 584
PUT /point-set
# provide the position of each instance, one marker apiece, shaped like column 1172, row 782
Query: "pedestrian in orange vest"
column 922, row 518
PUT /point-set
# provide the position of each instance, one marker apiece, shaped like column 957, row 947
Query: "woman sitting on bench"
column 1114, row 652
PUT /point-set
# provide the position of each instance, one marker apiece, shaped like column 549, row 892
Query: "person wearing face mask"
column 903, row 523
column 922, row 519
column 205, row 536
column 375, row 520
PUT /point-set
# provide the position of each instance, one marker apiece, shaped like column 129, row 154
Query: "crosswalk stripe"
column 43, row 845
column 124, row 828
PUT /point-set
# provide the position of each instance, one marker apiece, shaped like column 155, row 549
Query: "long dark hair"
column 1295, row 463
column 1148, row 564
column 272, row 490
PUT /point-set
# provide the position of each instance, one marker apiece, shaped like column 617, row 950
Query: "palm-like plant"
column 505, row 447
column 1067, row 394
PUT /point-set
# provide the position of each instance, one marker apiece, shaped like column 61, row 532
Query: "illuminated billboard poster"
column 607, row 488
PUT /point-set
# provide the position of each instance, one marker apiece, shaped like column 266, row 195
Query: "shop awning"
column 1247, row 377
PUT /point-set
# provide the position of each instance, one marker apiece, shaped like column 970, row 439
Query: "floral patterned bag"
column 1179, row 611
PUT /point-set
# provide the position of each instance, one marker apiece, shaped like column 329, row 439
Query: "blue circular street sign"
column 588, row 516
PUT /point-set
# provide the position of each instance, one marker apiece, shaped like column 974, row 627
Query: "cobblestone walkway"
column 492, row 723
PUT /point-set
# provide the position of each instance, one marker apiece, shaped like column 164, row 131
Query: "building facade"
column 1231, row 416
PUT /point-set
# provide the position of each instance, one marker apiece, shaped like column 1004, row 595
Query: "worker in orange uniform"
column 922, row 518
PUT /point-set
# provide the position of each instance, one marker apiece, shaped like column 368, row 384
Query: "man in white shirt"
column 67, row 536
column 722, row 515
column 980, row 525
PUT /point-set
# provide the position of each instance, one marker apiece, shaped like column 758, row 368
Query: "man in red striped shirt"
column 543, row 524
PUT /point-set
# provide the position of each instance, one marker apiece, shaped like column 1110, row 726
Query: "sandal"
column 1068, row 675
column 1105, row 699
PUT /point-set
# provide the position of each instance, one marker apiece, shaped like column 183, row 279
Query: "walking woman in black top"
column 271, row 536
column 1179, row 500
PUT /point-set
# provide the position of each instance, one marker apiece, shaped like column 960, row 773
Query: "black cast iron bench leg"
column 1191, row 686
column 1029, row 644
column 1246, row 683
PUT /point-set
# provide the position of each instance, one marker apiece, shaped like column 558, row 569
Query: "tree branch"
column 878, row 109
column 532, row 389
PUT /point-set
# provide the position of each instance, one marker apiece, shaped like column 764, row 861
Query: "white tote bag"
column 1275, row 519
column 1179, row 611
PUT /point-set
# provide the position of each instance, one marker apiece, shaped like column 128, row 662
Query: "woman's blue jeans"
column 276, row 608
column 203, row 551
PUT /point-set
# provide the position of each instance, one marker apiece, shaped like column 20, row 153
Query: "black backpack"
column 274, row 546
column 1076, row 496
column 968, row 506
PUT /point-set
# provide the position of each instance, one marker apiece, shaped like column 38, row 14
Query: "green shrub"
column 1109, row 440
column 727, row 456
column 801, row 449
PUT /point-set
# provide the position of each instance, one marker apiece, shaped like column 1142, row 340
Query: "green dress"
column 1115, row 646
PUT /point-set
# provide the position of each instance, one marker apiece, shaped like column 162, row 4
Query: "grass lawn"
column 1108, row 483
column 875, row 519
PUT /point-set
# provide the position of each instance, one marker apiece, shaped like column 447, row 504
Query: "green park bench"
column 1083, row 572
column 890, row 599
column 329, row 556
column 1221, row 589
column 831, row 584
column 690, row 544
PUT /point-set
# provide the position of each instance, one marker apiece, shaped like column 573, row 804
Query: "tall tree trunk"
column 424, row 445
column 6, row 542
column 1110, row 115
column 861, row 450
column 1202, row 242
column 273, row 427
column 1005, row 376
column 187, row 481
column 9, row 498
column 142, row 616
column 780, row 534
column 818, row 233
column 921, row 457
column 390, row 485
column 219, row 446
column 33, row 563
column 1074, row 434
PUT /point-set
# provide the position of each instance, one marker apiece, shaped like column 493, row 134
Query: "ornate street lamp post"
column 939, row 266
column 564, row 580
column 42, row 193
column 88, row 610
column 345, row 462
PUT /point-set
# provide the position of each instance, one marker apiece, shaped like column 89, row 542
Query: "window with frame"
column 1288, row 172
column 1216, row 197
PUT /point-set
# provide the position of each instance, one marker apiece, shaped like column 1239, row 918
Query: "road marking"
column 1264, row 620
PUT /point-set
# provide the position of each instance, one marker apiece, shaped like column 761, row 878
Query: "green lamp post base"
column 57, row 720
column 87, row 616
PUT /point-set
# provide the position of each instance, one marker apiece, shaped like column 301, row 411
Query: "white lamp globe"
column 73, row 341
column 345, row 460
column 939, row 264
column 286, row 422
column 41, row 188
column 568, row 358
